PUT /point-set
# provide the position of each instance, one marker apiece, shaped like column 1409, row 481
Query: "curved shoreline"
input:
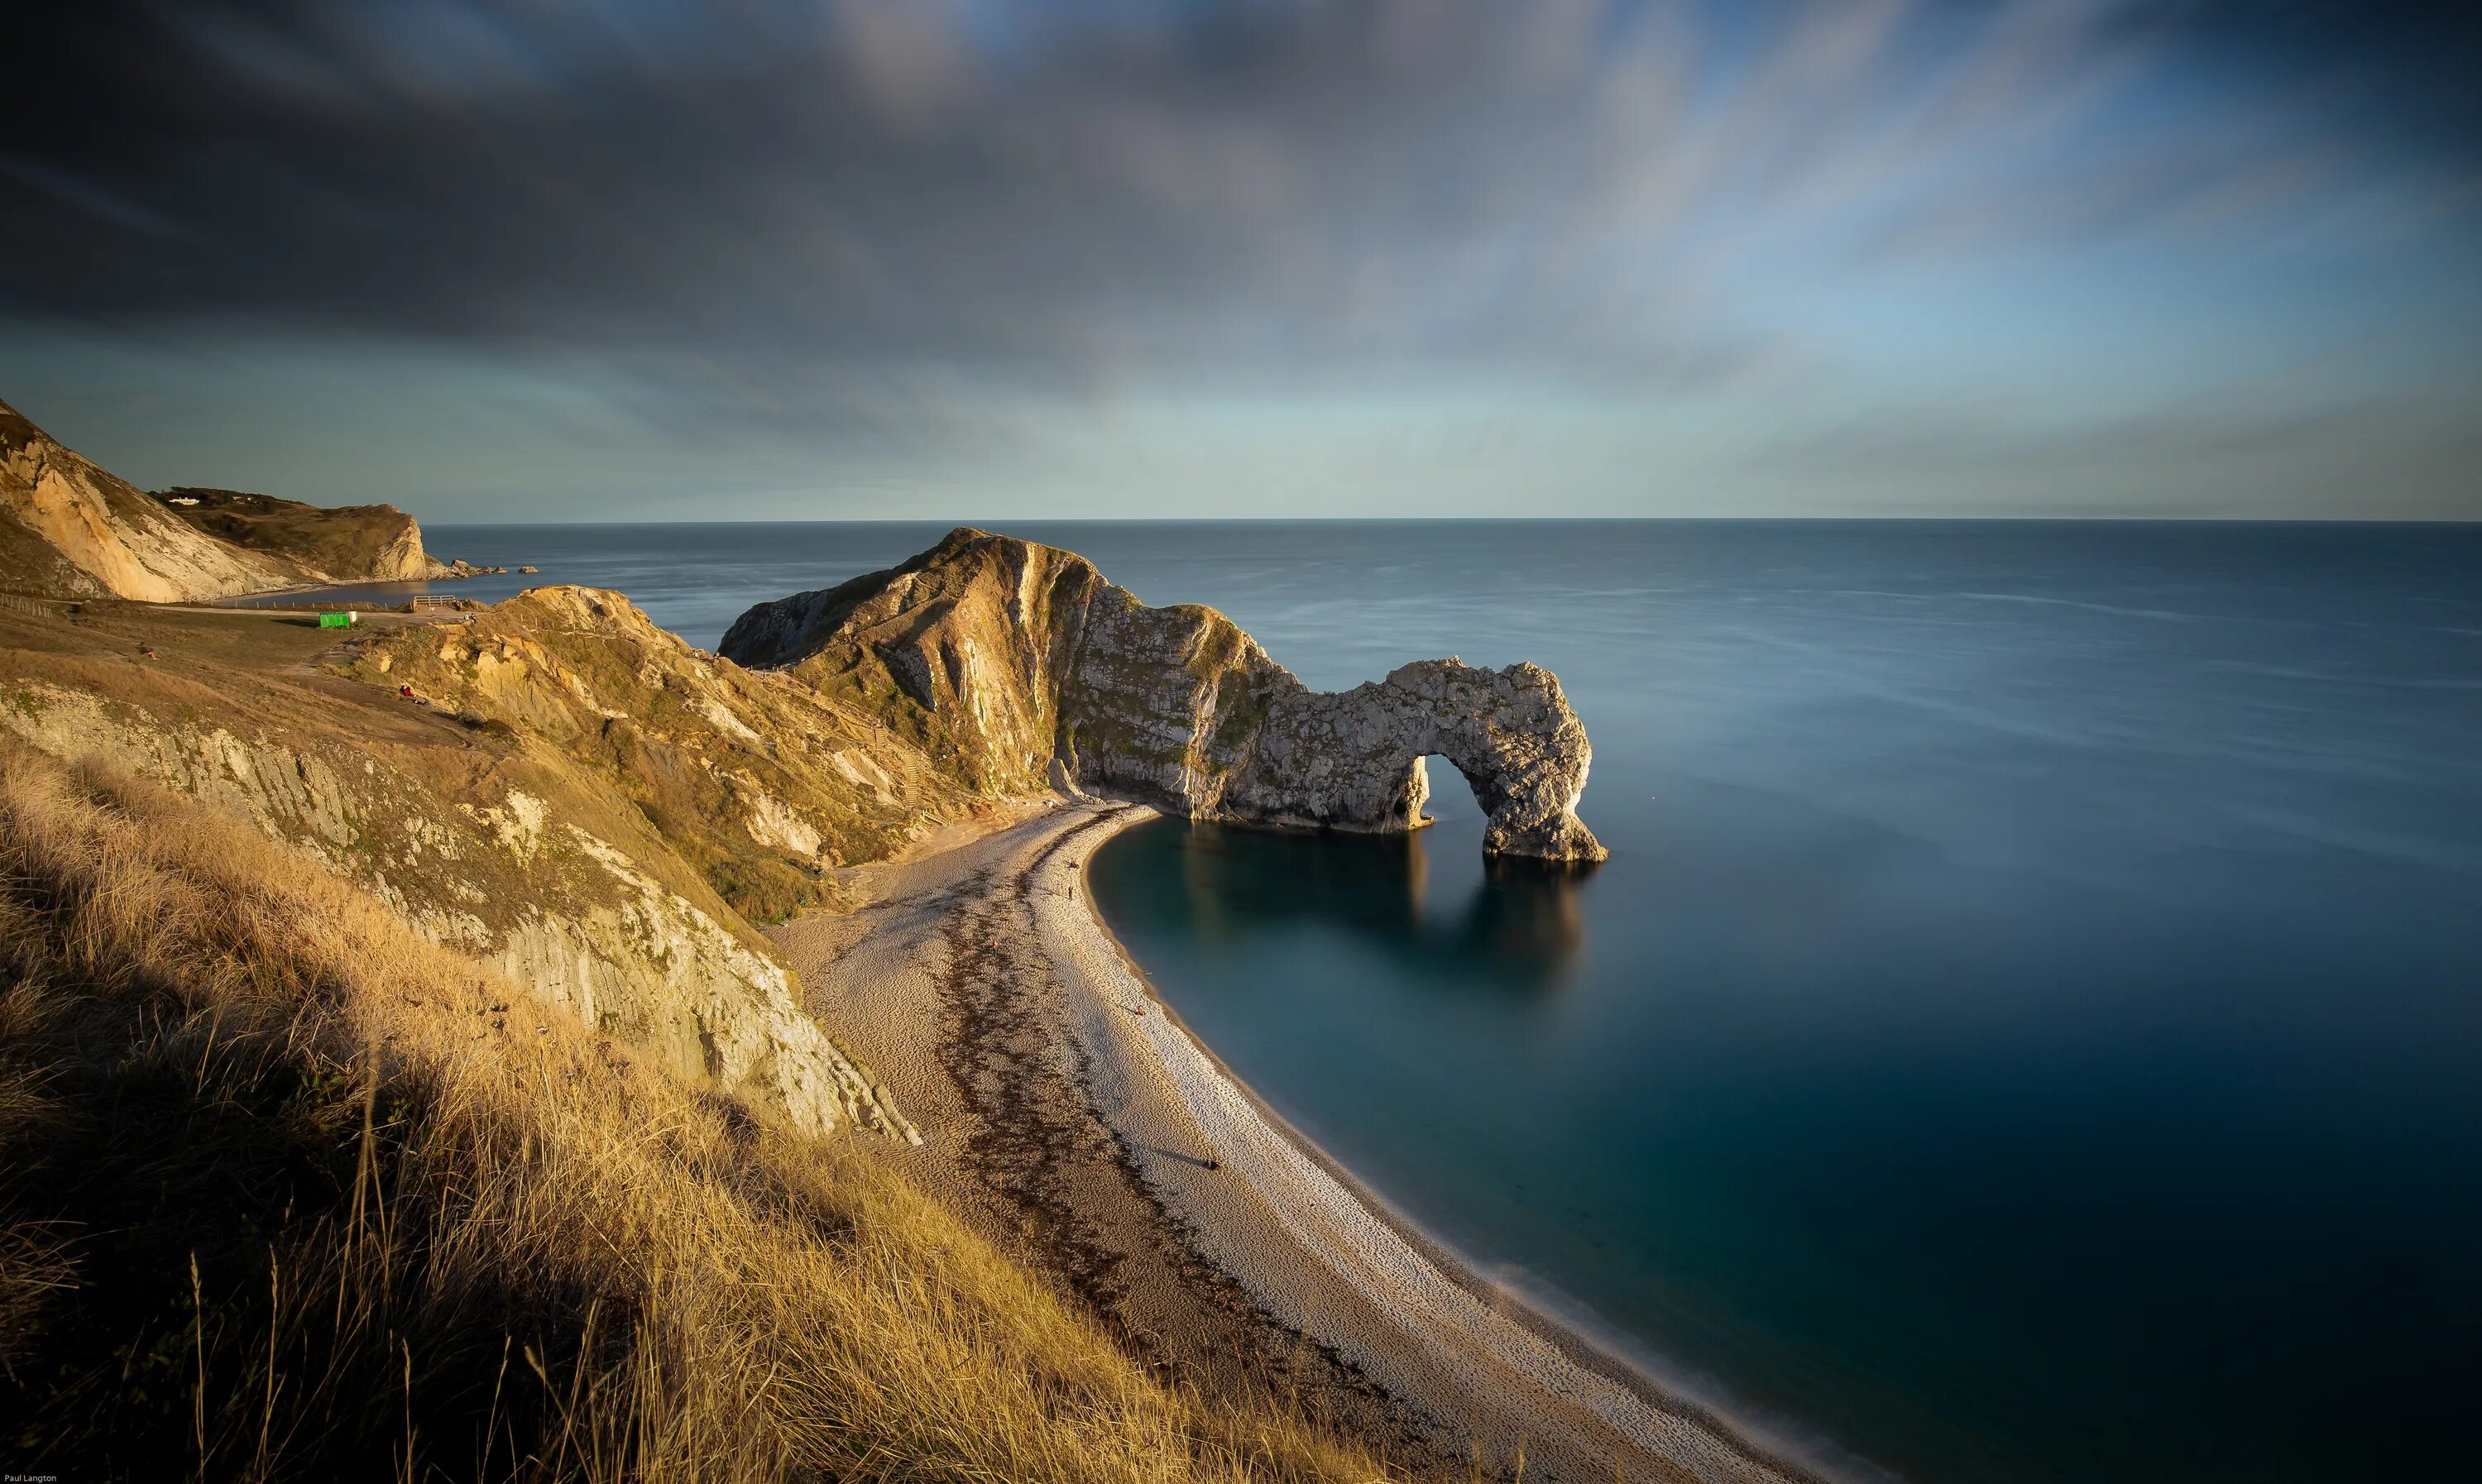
column 1533, row 1306
column 1477, row 1335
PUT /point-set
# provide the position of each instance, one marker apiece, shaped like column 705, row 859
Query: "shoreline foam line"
column 1465, row 1347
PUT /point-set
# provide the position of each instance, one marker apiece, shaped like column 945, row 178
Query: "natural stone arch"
column 1509, row 733
column 1354, row 759
column 1018, row 667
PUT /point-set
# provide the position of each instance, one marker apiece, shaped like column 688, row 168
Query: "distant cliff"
column 68, row 527
column 1016, row 664
column 347, row 543
column 71, row 529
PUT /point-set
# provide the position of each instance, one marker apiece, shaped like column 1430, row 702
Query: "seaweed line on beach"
column 1032, row 1135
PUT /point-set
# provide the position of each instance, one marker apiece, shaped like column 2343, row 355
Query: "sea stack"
column 1021, row 666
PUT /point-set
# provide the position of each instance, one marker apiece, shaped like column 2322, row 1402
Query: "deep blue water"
column 2030, row 1027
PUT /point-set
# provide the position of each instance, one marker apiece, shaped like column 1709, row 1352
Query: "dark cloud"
column 1070, row 194
column 926, row 227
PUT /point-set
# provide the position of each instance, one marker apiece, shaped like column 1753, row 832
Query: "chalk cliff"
column 70, row 528
column 1016, row 664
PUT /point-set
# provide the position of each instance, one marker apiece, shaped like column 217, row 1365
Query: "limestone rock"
column 67, row 527
column 1017, row 667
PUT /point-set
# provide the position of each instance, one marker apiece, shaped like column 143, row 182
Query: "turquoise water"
column 2028, row 1028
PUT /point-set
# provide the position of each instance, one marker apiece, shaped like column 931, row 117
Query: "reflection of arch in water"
column 1522, row 927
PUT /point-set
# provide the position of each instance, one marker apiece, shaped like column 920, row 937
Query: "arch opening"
column 1450, row 796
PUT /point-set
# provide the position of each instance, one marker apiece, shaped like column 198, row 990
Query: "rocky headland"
column 828, row 879
column 70, row 528
column 1019, row 667
column 605, row 812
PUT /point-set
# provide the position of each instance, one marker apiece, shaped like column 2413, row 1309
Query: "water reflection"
column 1519, row 926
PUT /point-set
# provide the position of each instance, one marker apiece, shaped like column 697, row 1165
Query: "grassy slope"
column 263, row 674
column 692, row 741
column 416, row 803
column 292, row 1193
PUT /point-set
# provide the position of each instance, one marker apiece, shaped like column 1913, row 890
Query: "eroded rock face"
column 68, row 527
column 1017, row 667
column 1335, row 758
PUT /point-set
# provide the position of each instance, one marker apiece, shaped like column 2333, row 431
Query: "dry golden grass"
column 291, row 1193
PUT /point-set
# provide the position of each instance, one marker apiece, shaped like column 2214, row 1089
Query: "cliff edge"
column 70, row 528
column 1017, row 665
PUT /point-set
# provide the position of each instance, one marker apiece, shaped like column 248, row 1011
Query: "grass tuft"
column 291, row 1193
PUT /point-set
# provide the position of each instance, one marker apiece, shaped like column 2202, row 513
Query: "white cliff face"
column 556, row 907
column 399, row 559
column 1019, row 666
column 114, row 539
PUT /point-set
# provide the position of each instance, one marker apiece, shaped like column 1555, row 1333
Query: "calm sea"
column 2030, row 1027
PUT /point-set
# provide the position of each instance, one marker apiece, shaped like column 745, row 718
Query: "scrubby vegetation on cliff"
column 295, row 1194
column 500, row 840
column 757, row 783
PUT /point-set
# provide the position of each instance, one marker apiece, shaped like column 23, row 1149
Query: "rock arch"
column 1354, row 759
column 1019, row 668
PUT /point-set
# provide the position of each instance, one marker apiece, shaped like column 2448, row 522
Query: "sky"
column 556, row 260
